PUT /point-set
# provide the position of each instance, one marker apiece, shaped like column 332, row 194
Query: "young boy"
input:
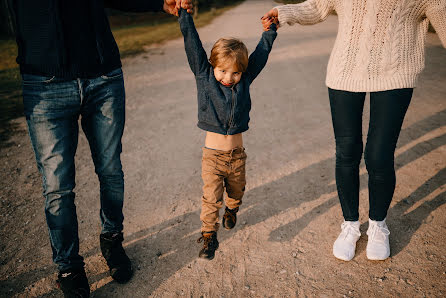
column 223, row 112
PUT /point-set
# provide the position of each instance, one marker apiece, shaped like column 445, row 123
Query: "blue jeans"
column 52, row 108
column 387, row 111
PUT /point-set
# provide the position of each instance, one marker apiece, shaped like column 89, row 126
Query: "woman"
column 379, row 49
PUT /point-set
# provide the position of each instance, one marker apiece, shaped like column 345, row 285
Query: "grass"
column 132, row 33
column 132, row 39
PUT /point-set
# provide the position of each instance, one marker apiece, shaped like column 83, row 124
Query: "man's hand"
column 172, row 6
column 187, row 5
column 270, row 17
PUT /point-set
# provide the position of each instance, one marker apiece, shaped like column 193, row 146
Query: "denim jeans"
column 52, row 109
column 387, row 111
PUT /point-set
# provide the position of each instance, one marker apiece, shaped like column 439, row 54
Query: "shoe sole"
column 211, row 258
column 343, row 259
column 378, row 259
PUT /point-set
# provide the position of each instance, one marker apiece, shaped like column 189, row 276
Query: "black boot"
column 74, row 283
column 117, row 261
column 210, row 244
column 230, row 218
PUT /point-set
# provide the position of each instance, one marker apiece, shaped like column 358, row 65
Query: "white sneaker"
column 378, row 247
column 345, row 246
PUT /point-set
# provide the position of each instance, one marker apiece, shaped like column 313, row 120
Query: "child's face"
column 227, row 74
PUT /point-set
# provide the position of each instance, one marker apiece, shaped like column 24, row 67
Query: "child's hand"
column 186, row 4
column 269, row 18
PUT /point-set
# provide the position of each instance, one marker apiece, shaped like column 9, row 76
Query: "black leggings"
column 387, row 110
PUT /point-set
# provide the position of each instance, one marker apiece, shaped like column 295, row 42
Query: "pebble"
column 294, row 254
column 283, row 271
column 247, row 287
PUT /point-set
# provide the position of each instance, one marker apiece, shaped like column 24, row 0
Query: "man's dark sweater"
column 221, row 109
column 70, row 39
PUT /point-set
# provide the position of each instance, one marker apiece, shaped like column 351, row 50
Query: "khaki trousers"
column 220, row 170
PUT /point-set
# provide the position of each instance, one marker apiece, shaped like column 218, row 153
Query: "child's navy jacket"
column 223, row 110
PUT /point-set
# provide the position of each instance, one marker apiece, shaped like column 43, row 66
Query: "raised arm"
column 196, row 55
column 306, row 13
column 436, row 13
column 258, row 58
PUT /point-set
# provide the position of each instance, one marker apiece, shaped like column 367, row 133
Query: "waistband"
column 236, row 150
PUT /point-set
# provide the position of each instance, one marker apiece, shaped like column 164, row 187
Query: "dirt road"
column 282, row 243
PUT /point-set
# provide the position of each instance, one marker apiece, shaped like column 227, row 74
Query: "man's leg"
column 51, row 112
column 103, row 118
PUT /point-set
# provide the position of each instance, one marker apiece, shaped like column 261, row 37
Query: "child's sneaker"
column 210, row 244
column 378, row 247
column 74, row 283
column 345, row 246
column 118, row 262
column 230, row 218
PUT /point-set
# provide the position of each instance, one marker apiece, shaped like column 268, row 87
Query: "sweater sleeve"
column 135, row 5
column 436, row 13
column 258, row 58
column 306, row 13
column 196, row 55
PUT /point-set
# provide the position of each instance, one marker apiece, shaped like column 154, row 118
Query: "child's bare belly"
column 223, row 142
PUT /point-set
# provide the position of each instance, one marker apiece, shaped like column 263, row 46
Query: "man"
column 71, row 68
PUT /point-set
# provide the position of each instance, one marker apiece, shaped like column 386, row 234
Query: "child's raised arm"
column 196, row 55
column 258, row 59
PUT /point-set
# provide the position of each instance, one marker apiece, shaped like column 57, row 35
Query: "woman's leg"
column 387, row 111
column 346, row 113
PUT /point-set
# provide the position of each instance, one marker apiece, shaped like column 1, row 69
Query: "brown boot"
column 230, row 218
column 210, row 244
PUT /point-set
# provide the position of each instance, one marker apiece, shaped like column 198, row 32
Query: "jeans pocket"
column 114, row 74
column 29, row 79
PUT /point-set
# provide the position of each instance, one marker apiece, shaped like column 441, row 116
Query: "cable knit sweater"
column 380, row 43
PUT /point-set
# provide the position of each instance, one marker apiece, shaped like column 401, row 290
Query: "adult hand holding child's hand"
column 172, row 6
column 270, row 17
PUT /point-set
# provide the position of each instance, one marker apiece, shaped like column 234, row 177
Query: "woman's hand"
column 270, row 17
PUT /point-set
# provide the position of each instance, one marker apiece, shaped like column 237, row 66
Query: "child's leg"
column 212, row 199
column 236, row 180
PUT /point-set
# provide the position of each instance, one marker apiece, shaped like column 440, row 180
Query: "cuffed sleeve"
column 436, row 13
column 306, row 13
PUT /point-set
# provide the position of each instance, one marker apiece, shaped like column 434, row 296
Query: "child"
column 223, row 112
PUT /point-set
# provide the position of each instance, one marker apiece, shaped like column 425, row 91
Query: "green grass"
column 132, row 33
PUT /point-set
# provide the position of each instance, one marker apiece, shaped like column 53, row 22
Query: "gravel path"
column 290, row 216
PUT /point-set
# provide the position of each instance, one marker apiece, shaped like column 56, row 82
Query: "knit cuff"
column 437, row 16
column 286, row 14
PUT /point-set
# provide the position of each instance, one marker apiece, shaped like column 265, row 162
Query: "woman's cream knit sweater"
column 380, row 43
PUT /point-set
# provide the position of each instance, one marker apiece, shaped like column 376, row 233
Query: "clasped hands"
column 172, row 6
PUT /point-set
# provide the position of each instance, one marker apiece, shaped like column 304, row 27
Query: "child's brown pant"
column 221, row 169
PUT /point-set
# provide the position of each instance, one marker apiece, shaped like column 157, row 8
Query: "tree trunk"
column 195, row 8
column 7, row 24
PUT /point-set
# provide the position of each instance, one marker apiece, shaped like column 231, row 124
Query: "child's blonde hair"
column 230, row 50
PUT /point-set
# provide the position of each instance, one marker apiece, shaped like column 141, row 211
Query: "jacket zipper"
column 231, row 116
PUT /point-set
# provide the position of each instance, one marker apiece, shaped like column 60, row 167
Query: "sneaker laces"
column 378, row 233
column 349, row 229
